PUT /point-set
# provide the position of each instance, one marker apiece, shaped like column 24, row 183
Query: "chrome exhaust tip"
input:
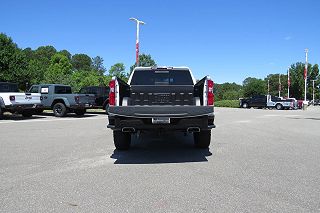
column 193, row 129
column 128, row 129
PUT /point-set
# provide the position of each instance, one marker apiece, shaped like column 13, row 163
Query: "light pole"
column 289, row 82
column 305, row 76
column 137, row 38
column 279, row 85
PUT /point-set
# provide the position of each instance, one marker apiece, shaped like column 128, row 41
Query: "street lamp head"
column 133, row 19
column 136, row 20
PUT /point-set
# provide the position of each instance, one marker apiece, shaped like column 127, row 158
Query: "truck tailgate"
column 87, row 99
column 160, row 111
column 25, row 98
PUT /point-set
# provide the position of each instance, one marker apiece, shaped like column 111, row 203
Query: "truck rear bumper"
column 160, row 111
column 131, row 124
column 82, row 106
column 19, row 107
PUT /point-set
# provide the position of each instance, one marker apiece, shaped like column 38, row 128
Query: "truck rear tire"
column 121, row 140
column 106, row 108
column 27, row 114
column 59, row 110
column 279, row 107
column 1, row 113
column 202, row 139
column 80, row 112
column 245, row 105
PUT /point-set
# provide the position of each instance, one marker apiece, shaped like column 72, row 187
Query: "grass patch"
column 227, row 103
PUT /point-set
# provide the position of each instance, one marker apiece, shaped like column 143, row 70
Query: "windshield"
column 162, row 77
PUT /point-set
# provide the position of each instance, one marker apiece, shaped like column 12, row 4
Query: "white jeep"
column 11, row 100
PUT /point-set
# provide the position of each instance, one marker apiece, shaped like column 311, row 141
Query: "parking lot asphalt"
column 258, row 161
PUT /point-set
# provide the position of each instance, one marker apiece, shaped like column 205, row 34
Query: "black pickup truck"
column 268, row 101
column 161, row 99
column 101, row 94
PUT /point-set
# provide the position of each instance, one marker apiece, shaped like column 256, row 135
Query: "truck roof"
column 162, row 67
column 51, row 85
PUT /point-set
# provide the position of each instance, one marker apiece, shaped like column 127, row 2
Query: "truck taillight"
column 112, row 93
column 12, row 98
column 210, row 100
column 77, row 99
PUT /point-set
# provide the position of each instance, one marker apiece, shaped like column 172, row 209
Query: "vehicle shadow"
column 96, row 113
column 155, row 149
column 18, row 117
column 69, row 115
column 316, row 119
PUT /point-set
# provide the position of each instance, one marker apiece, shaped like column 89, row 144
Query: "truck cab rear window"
column 62, row 90
column 8, row 87
column 156, row 77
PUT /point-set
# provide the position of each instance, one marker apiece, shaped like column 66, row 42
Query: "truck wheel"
column 202, row 139
column 80, row 112
column 106, row 108
column 59, row 110
column 27, row 114
column 278, row 106
column 245, row 105
column 121, row 140
column 1, row 113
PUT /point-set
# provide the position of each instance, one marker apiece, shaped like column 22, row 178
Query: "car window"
column 162, row 77
column 62, row 90
column 9, row 87
column 34, row 89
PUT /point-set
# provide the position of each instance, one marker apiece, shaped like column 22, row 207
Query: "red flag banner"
column 305, row 73
column 289, row 83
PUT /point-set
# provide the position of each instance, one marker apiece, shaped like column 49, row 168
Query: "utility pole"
column 268, row 87
column 137, row 38
column 289, row 82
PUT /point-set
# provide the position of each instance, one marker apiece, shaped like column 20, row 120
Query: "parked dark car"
column 101, row 95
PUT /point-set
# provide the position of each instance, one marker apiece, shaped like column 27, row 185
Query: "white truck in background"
column 11, row 100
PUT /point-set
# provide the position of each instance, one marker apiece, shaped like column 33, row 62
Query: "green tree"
column 66, row 53
column 13, row 62
column 297, row 80
column 227, row 91
column 313, row 75
column 81, row 62
column 144, row 61
column 274, row 84
column 118, row 70
column 83, row 78
column 45, row 52
column 254, row 86
column 59, row 71
column 97, row 64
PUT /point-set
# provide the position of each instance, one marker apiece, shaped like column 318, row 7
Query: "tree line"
column 254, row 86
column 48, row 65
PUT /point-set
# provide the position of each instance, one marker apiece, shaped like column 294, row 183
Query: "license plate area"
column 161, row 120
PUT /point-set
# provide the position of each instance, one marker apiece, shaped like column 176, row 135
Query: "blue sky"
column 229, row 40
